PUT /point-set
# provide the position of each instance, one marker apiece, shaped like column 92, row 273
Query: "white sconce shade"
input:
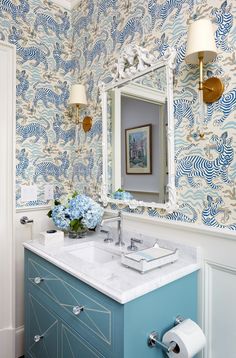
column 200, row 39
column 78, row 95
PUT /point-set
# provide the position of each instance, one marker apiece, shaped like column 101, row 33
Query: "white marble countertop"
column 112, row 278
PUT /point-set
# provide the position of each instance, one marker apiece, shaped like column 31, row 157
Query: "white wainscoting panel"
column 220, row 288
column 217, row 278
column 7, row 203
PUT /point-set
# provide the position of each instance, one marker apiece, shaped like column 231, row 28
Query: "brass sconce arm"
column 212, row 88
column 86, row 122
column 200, row 58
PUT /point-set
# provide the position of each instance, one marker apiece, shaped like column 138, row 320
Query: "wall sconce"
column 201, row 49
column 78, row 98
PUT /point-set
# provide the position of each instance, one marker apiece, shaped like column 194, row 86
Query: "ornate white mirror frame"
column 134, row 62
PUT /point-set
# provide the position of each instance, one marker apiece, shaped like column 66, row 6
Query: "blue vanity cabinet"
column 73, row 345
column 100, row 318
column 75, row 320
column 42, row 330
column 49, row 336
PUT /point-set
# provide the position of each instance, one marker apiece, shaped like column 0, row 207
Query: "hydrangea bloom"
column 60, row 217
column 93, row 216
column 81, row 211
column 78, row 206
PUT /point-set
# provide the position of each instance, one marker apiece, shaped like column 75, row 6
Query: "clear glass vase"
column 80, row 234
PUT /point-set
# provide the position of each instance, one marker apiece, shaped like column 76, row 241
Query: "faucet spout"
column 117, row 218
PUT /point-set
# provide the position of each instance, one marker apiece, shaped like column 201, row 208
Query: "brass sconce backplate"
column 213, row 89
column 87, row 123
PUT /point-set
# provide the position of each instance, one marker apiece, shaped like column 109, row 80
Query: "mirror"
column 138, row 132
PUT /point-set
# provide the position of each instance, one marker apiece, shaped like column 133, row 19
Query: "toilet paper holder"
column 154, row 339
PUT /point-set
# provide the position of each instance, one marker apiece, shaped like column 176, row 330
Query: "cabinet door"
column 74, row 346
column 41, row 330
column 100, row 317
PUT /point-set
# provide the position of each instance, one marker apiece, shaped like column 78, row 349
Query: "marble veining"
column 112, row 278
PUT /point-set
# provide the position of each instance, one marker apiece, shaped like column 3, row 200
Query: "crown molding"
column 67, row 4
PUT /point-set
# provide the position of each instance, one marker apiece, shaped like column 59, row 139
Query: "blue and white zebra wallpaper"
column 56, row 47
column 45, row 134
column 205, row 167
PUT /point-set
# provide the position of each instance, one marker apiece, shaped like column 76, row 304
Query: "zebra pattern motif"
column 66, row 65
column 132, row 26
column 226, row 104
column 224, row 20
column 84, row 21
column 193, row 166
column 67, row 135
column 161, row 45
column 164, row 24
column 180, row 53
column 47, row 95
column 176, row 215
column 98, row 49
column 95, row 131
column 23, row 85
column 13, row 10
column 46, row 168
column 162, row 11
column 47, row 22
column 212, row 208
column 32, row 130
column 153, row 9
column 84, row 171
column 22, row 157
column 34, row 27
column 172, row 33
column 103, row 7
column 90, row 86
column 28, row 53
column 183, row 109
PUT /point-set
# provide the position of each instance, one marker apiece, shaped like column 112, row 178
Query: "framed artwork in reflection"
column 138, row 149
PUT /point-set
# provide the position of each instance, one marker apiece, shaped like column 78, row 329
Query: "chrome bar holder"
column 154, row 339
column 24, row 220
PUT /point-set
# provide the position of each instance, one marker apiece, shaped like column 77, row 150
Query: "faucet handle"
column 108, row 239
column 139, row 241
column 156, row 244
column 132, row 246
column 104, row 231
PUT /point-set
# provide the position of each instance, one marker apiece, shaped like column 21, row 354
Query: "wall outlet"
column 48, row 192
column 29, row 193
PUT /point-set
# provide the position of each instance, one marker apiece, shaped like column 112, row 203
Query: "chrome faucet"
column 117, row 218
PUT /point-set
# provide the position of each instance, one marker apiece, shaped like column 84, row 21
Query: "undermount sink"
column 94, row 253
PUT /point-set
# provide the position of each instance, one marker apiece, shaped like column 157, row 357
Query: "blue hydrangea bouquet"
column 121, row 194
column 80, row 214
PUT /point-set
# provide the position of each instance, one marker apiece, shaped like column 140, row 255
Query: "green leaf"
column 49, row 214
column 56, row 202
column 75, row 224
column 74, row 194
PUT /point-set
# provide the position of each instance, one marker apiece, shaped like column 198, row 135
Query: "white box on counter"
column 50, row 237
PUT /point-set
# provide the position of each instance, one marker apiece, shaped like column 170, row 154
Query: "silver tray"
column 149, row 259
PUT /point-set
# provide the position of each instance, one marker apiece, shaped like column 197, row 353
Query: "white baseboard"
column 19, row 336
column 7, row 342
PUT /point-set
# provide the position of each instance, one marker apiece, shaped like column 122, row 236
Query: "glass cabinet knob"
column 37, row 280
column 77, row 310
column 37, row 338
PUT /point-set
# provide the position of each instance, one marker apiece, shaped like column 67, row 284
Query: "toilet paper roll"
column 189, row 339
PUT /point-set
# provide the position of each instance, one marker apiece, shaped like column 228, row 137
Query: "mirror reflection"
column 137, row 141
